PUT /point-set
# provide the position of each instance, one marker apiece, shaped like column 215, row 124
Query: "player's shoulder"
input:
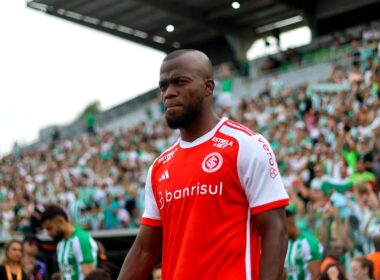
column 166, row 155
column 241, row 133
column 237, row 129
column 81, row 234
column 308, row 238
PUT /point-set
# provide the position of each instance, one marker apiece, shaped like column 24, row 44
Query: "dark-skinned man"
column 215, row 199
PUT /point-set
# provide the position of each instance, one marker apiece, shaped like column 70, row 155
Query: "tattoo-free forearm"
column 143, row 255
column 272, row 229
column 273, row 251
column 138, row 264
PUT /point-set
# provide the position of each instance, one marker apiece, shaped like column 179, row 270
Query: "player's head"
column 186, row 84
column 55, row 220
column 12, row 252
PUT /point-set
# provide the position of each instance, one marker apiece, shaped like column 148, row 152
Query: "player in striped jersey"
column 76, row 250
column 304, row 253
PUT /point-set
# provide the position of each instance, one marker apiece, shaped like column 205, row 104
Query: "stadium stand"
column 320, row 110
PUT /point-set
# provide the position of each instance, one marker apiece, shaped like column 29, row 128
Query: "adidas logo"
column 164, row 176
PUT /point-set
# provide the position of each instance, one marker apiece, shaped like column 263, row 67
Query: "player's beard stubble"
column 188, row 116
column 59, row 236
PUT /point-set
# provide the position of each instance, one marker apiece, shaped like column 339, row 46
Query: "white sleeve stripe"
column 306, row 250
column 151, row 209
column 77, row 249
column 257, row 168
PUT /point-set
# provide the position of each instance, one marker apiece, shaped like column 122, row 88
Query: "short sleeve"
column 85, row 249
column 312, row 251
column 259, row 175
column 151, row 216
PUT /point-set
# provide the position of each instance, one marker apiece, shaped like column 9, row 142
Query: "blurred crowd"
column 98, row 178
column 337, row 45
column 326, row 138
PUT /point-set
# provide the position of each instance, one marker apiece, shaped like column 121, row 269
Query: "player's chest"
column 185, row 167
column 66, row 254
column 189, row 177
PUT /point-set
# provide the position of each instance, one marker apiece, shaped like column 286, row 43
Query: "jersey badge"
column 212, row 162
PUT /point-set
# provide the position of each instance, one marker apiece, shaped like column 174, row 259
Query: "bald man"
column 214, row 200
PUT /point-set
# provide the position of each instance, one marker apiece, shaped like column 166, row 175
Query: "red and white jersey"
column 204, row 193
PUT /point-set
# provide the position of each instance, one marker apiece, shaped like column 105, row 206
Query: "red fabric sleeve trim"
column 269, row 206
column 150, row 222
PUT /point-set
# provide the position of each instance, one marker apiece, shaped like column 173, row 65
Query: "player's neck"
column 295, row 235
column 199, row 127
column 69, row 231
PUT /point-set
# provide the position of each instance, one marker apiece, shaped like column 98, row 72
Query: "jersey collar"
column 185, row 145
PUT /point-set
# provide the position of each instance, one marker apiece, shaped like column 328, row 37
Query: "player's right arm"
column 145, row 250
column 143, row 255
column 314, row 269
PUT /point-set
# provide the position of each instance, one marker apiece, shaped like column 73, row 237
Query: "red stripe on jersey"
column 238, row 128
column 241, row 127
column 150, row 222
column 269, row 206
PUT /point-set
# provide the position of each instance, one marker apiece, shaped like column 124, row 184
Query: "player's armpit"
column 314, row 269
column 87, row 268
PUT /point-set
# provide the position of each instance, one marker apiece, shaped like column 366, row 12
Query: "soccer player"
column 214, row 200
column 303, row 258
column 77, row 251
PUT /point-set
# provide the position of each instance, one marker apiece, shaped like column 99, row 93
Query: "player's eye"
column 179, row 82
column 163, row 86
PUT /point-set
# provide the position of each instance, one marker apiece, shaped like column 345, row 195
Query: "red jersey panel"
column 204, row 193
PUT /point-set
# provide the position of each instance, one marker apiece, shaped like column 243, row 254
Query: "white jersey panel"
column 151, row 209
column 257, row 168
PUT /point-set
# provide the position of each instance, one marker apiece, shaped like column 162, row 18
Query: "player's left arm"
column 271, row 226
column 267, row 197
column 85, row 251
column 313, row 257
column 314, row 268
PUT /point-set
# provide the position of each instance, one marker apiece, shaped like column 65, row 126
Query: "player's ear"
column 59, row 220
column 209, row 87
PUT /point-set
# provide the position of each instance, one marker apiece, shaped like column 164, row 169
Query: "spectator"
column 332, row 272
column 11, row 266
column 34, row 267
column 111, row 210
column 156, row 272
column 375, row 257
column 226, row 87
column 362, row 268
column 335, row 251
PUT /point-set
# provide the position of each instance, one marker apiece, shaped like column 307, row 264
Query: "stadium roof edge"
column 207, row 25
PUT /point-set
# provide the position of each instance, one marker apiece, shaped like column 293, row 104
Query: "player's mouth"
column 171, row 106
